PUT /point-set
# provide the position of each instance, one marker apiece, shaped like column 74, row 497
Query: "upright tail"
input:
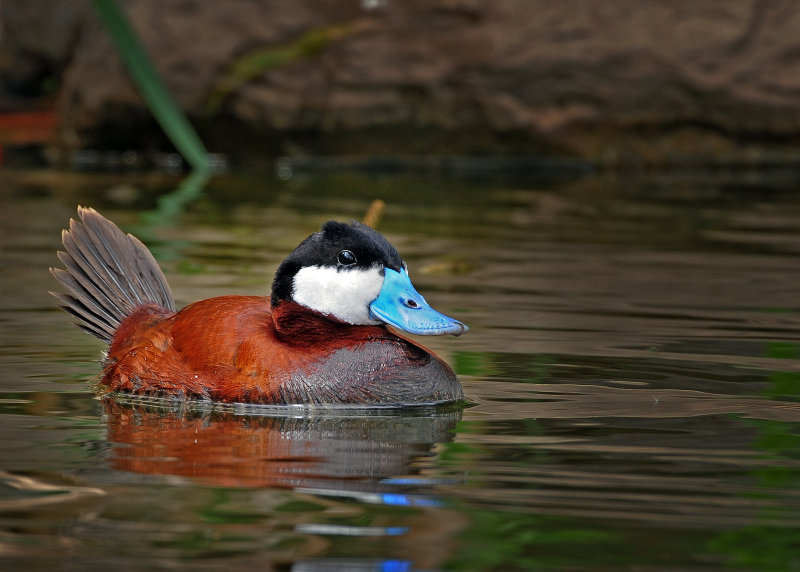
column 108, row 274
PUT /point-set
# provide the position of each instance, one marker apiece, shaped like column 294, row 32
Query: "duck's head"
column 352, row 273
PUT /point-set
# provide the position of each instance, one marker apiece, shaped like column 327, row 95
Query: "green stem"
column 155, row 94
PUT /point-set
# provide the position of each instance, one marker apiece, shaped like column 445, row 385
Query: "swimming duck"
column 322, row 337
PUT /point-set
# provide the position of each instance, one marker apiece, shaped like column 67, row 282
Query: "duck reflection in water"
column 344, row 450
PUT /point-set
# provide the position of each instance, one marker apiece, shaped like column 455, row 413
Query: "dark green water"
column 633, row 367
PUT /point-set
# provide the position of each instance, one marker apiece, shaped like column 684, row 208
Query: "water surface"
column 633, row 371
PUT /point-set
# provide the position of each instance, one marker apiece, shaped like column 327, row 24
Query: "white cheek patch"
column 345, row 294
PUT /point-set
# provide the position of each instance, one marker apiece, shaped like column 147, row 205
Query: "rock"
column 612, row 82
column 36, row 41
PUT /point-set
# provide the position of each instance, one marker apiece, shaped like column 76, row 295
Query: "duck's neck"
column 303, row 326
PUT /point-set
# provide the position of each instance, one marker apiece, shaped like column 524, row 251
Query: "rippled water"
column 633, row 369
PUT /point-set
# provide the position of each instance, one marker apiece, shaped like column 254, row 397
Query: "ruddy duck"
column 320, row 338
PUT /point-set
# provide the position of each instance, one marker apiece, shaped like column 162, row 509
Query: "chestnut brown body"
column 238, row 349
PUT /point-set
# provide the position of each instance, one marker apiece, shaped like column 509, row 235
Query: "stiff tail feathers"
column 107, row 274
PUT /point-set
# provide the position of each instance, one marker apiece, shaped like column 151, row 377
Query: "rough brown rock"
column 610, row 81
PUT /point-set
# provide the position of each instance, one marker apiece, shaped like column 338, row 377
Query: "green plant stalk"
column 155, row 94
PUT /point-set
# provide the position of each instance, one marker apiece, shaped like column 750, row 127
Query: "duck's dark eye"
column 346, row 258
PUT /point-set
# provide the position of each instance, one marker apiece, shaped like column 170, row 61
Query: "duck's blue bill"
column 399, row 304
